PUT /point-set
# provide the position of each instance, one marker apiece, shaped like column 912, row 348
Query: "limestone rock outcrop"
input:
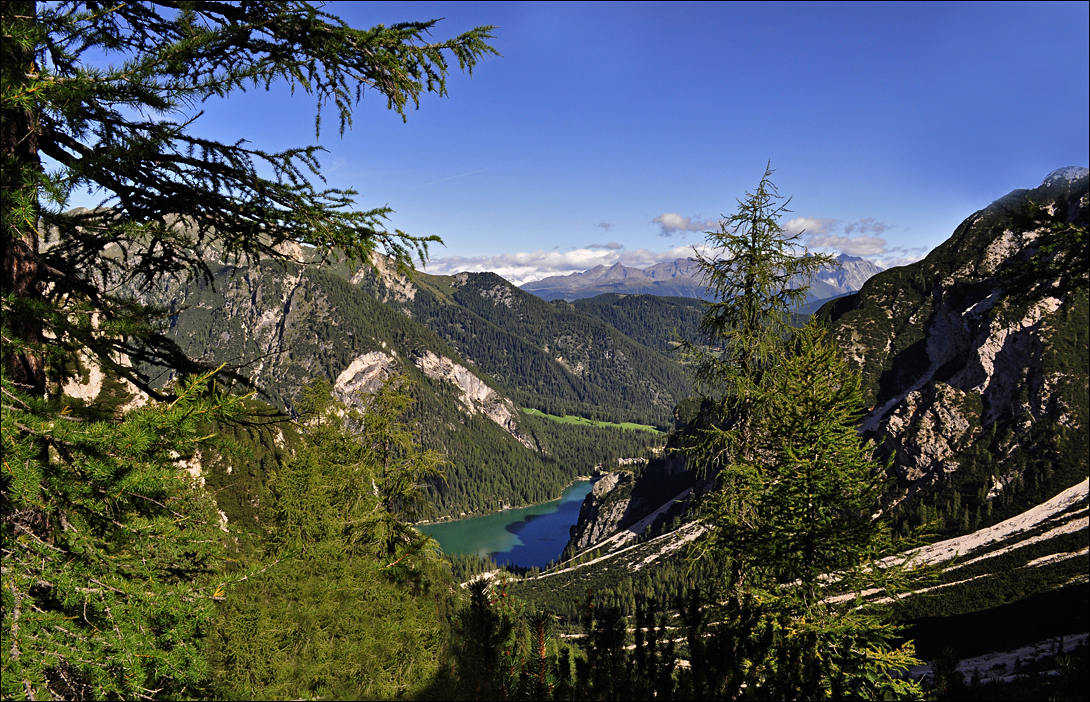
column 603, row 511
column 979, row 351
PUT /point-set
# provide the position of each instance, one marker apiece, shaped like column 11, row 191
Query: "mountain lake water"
column 528, row 536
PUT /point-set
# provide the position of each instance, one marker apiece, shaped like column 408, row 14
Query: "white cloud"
column 851, row 245
column 867, row 224
column 892, row 262
column 859, row 238
column 525, row 266
column 605, row 225
column 811, row 225
column 671, row 223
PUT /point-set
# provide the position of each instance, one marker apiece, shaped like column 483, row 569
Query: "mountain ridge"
column 682, row 278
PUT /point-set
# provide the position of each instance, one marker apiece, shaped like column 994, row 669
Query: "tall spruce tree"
column 790, row 517
column 758, row 275
column 107, row 550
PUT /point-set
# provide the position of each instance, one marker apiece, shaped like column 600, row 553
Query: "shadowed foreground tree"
column 794, row 522
column 353, row 601
column 108, row 551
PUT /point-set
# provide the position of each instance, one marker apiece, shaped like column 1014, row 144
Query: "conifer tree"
column 758, row 275
column 107, row 551
column 108, row 548
column 807, row 542
column 352, row 600
column 790, row 519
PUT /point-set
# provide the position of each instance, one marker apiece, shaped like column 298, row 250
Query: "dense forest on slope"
column 290, row 323
column 654, row 321
column 549, row 357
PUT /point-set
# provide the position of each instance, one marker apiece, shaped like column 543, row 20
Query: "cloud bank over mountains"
column 860, row 238
column 672, row 223
column 527, row 266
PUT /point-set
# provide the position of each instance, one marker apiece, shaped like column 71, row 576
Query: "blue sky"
column 618, row 132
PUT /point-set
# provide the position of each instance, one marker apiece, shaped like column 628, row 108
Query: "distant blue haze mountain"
column 681, row 278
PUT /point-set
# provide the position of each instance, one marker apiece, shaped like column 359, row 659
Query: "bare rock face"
column 603, row 511
column 365, row 375
column 476, row 396
column 395, row 286
column 978, row 351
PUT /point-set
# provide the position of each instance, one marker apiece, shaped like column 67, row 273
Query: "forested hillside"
column 654, row 321
column 291, row 323
column 549, row 356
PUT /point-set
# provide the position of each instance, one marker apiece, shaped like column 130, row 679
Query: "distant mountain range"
column 681, row 278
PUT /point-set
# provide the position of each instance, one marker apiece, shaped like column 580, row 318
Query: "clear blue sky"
column 612, row 132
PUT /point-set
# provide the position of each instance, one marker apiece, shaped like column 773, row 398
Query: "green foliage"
column 654, row 321
column 345, row 599
column 359, row 475
column 792, row 521
column 483, row 632
column 330, row 323
column 750, row 275
column 109, row 548
column 790, row 518
column 466, row 566
column 488, row 468
column 322, row 626
column 507, row 650
column 615, row 584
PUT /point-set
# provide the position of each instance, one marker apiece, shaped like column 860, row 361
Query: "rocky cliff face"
column 476, row 395
column 603, row 511
column 975, row 358
column 625, row 505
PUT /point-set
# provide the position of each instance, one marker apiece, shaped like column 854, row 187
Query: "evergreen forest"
column 228, row 398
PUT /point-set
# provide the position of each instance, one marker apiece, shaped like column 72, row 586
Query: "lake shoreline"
column 525, row 537
column 475, row 515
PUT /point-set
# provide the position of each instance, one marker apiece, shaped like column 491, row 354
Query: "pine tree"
column 108, row 550
column 790, row 518
column 807, row 543
column 351, row 600
column 758, row 275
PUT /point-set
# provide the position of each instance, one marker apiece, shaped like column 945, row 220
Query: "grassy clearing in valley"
column 568, row 419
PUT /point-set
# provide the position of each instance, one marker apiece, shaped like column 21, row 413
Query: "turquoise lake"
column 527, row 537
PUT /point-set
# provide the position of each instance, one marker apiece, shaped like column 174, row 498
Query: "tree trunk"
column 19, row 208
